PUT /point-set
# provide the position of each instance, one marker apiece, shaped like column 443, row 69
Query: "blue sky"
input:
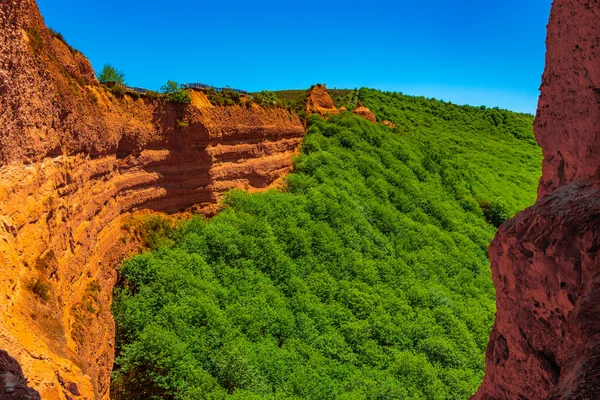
column 467, row 51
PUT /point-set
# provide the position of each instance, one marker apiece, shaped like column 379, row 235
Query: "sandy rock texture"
column 319, row 101
column 13, row 385
column 75, row 161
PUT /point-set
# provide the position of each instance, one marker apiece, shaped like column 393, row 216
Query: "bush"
column 40, row 288
column 266, row 99
column 174, row 93
column 151, row 95
column 134, row 95
column 118, row 91
column 111, row 74
column 499, row 213
column 226, row 97
column 496, row 212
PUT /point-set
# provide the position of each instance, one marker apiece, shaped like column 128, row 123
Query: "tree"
column 111, row 74
column 175, row 93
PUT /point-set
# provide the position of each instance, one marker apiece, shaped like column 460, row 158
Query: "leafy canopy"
column 366, row 279
column 175, row 93
column 111, row 74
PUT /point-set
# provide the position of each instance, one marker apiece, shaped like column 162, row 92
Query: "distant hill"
column 365, row 278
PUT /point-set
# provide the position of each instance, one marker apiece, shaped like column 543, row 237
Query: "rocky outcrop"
column 545, row 343
column 319, row 101
column 365, row 113
column 74, row 161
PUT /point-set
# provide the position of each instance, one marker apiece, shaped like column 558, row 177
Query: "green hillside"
column 367, row 278
column 340, row 97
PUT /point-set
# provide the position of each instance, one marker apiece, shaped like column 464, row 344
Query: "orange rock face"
column 545, row 343
column 319, row 101
column 365, row 113
column 75, row 161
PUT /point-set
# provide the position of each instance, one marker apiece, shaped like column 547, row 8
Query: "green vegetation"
column 344, row 98
column 367, row 278
column 40, row 288
column 118, row 91
column 173, row 92
column 111, row 74
column 35, row 40
column 226, row 97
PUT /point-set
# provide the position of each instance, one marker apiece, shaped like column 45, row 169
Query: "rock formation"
column 388, row 123
column 74, row 160
column 365, row 113
column 319, row 101
column 545, row 343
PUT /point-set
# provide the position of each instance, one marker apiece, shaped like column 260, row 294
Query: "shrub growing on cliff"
column 40, row 288
column 225, row 97
column 111, row 74
column 173, row 92
column 118, row 91
column 367, row 278
column 499, row 213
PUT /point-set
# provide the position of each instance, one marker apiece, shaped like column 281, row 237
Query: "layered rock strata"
column 74, row 160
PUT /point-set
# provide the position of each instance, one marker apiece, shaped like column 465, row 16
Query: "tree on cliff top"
column 111, row 74
column 175, row 93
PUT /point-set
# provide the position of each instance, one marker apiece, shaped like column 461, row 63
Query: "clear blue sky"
column 467, row 51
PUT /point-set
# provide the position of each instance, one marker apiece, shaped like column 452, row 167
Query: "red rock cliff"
column 74, row 160
column 545, row 343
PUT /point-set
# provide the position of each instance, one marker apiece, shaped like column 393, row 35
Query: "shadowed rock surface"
column 74, row 161
column 13, row 385
column 545, row 343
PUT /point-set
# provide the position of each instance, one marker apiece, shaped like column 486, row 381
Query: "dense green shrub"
column 367, row 278
column 174, row 93
column 111, row 74
column 495, row 212
column 266, row 99
column 225, row 97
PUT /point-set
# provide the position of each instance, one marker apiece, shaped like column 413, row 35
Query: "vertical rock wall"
column 545, row 343
column 74, row 159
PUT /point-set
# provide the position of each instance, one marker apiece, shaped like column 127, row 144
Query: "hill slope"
column 366, row 278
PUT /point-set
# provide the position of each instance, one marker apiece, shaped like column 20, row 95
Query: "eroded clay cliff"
column 74, row 161
column 319, row 101
column 545, row 343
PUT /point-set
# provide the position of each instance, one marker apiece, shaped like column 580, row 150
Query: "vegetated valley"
column 366, row 277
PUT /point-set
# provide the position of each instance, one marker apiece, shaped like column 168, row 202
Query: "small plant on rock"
column 175, row 93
